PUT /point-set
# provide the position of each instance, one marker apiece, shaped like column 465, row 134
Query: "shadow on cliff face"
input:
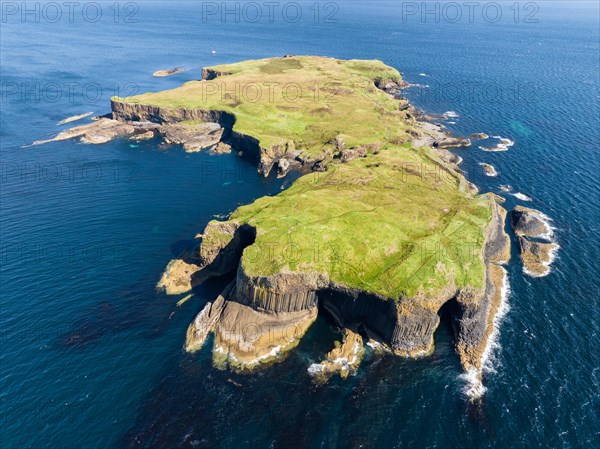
column 227, row 259
column 448, row 313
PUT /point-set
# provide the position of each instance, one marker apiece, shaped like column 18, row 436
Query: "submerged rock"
column 168, row 72
column 479, row 136
column 74, row 118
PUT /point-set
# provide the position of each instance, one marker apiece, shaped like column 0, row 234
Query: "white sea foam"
column 549, row 236
column 521, row 196
column 504, row 141
column 474, row 388
column 423, row 74
column 451, row 114
column 377, row 346
column 315, row 369
column 552, row 254
column 504, row 145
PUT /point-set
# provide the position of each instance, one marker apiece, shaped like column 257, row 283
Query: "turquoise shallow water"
column 91, row 354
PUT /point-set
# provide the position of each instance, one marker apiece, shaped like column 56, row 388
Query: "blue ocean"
column 92, row 354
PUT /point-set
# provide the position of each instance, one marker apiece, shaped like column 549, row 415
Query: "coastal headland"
column 382, row 232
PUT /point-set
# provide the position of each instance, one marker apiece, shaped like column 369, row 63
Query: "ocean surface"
column 91, row 354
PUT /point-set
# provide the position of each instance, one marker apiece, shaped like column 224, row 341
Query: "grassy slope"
column 337, row 97
column 375, row 223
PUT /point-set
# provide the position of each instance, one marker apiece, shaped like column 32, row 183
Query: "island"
column 382, row 231
column 379, row 233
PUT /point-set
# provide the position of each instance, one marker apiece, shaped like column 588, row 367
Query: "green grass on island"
column 393, row 224
column 398, row 222
column 306, row 99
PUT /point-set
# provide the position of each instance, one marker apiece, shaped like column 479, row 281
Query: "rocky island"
column 381, row 232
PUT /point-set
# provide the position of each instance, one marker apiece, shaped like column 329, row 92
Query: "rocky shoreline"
column 257, row 319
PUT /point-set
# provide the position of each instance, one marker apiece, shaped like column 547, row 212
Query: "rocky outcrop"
column 536, row 240
column 266, row 158
column 178, row 276
column 343, row 359
column 205, row 322
column 100, row 131
column 220, row 148
column 194, row 137
column 74, row 118
column 452, row 142
column 246, row 338
column 474, row 319
column 143, row 136
column 281, row 292
column 537, row 256
column 489, row 170
column 211, row 74
column 218, row 254
column 479, row 136
column 132, row 112
column 473, row 312
column 406, row 326
column 530, row 223
column 352, row 153
column 497, row 198
column 168, row 72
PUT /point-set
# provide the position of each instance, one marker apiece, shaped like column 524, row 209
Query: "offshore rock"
column 343, row 359
column 452, row 142
column 537, row 256
column 530, row 223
